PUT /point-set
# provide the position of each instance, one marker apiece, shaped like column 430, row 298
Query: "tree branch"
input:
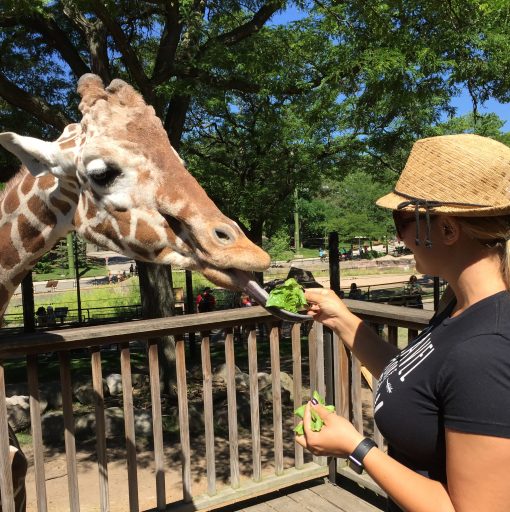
column 95, row 36
column 32, row 104
column 54, row 34
column 383, row 161
column 168, row 44
column 251, row 27
column 238, row 83
column 129, row 57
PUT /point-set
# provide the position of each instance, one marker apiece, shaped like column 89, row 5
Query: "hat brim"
column 392, row 201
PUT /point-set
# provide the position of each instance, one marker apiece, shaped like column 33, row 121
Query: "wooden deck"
column 316, row 496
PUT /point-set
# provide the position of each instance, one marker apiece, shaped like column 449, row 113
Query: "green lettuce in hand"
column 288, row 296
column 317, row 422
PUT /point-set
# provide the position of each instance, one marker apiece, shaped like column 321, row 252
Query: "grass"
column 89, row 271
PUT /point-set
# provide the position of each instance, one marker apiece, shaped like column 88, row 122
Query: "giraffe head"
column 134, row 193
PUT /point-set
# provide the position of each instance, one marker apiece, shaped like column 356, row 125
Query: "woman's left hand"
column 337, row 438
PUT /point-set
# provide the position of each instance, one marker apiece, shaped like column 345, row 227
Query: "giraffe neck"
column 34, row 214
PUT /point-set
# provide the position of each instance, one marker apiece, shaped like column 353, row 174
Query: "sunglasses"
column 403, row 219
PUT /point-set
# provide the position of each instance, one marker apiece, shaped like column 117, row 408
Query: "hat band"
column 425, row 203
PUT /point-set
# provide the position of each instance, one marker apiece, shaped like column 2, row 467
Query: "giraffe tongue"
column 252, row 288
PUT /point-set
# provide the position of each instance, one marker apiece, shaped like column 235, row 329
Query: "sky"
column 462, row 102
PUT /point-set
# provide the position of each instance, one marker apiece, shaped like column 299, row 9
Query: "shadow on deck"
column 318, row 494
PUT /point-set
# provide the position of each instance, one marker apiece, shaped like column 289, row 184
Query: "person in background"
column 414, row 290
column 355, row 293
column 50, row 316
column 245, row 301
column 41, row 316
column 443, row 402
column 205, row 301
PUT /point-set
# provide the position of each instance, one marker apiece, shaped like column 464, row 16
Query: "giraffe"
column 115, row 179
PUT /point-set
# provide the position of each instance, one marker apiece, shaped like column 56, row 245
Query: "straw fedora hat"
column 462, row 175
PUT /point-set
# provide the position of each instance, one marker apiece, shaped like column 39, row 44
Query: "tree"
column 351, row 209
column 170, row 51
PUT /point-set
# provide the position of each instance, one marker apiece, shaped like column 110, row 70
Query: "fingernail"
column 314, row 401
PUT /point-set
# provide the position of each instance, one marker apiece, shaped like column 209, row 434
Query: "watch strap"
column 355, row 459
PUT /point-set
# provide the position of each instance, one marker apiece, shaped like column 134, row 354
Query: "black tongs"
column 253, row 289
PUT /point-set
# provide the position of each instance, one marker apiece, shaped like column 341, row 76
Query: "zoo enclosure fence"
column 317, row 360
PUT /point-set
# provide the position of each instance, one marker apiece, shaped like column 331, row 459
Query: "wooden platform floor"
column 321, row 497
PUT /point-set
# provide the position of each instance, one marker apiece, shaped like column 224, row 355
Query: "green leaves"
column 288, row 296
column 317, row 422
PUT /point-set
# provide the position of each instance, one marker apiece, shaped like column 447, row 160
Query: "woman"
column 443, row 403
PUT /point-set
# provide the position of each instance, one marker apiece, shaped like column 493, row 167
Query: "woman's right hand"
column 326, row 307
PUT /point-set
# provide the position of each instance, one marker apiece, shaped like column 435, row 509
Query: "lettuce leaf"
column 317, row 422
column 288, row 296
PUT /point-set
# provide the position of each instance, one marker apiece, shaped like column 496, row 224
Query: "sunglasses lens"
column 397, row 219
column 401, row 220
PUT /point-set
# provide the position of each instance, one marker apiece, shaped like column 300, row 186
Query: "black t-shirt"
column 456, row 374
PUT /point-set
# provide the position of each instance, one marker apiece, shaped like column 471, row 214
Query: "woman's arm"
column 477, row 468
column 410, row 490
column 373, row 352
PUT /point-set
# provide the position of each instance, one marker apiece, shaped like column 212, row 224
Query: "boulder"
column 83, row 391
column 220, row 373
column 52, row 424
column 18, row 412
column 51, row 392
column 114, row 383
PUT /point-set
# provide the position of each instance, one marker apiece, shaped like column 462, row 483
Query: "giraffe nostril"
column 224, row 235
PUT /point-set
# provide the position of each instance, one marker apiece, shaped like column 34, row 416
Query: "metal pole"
column 436, row 293
column 330, row 388
column 27, row 298
column 334, row 263
column 77, row 276
column 297, row 241
column 190, row 309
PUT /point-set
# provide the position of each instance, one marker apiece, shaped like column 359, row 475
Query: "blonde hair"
column 494, row 232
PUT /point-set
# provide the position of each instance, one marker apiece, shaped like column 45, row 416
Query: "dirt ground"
column 88, row 474
column 88, row 478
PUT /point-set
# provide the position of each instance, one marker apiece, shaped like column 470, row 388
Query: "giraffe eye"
column 106, row 176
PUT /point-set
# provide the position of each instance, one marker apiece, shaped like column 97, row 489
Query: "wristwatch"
column 355, row 459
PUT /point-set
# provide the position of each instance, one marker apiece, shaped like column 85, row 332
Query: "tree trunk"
column 255, row 235
column 158, row 302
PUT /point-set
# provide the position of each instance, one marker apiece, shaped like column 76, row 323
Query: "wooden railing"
column 317, row 361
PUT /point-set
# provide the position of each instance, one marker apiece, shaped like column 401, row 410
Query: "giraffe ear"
column 38, row 156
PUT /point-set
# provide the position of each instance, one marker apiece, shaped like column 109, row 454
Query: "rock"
column 83, row 391
column 51, row 392
column 85, row 426
column 220, row 373
column 114, row 383
column 143, row 424
column 114, row 422
column 18, row 412
column 139, row 379
column 52, row 424
column 264, row 379
column 243, row 411
column 266, row 394
column 242, row 381
column 287, row 383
